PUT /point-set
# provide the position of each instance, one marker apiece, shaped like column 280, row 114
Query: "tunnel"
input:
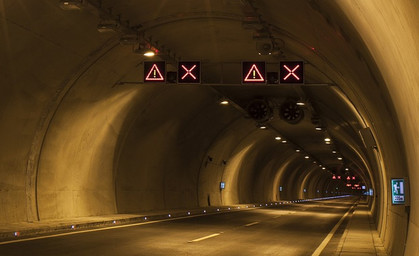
column 85, row 130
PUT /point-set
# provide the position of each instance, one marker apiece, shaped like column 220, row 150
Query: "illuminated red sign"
column 339, row 177
column 189, row 72
column 291, row 72
column 253, row 72
column 154, row 71
column 334, row 177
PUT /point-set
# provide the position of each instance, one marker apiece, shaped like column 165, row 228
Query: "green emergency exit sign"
column 398, row 190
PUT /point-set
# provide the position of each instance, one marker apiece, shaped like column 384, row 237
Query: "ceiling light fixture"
column 106, row 26
column 70, row 5
column 277, row 138
column 261, row 126
column 297, row 150
column 327, row 139
column 306, row 157
column 340, row 158
column 149, row 53
column 224, row 102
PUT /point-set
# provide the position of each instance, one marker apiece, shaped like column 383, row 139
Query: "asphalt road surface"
column 295, row 229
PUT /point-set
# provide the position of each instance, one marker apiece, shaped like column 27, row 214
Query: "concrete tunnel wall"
column 69, row 133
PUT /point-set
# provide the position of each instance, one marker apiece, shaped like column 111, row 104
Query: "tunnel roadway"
column 294, row 229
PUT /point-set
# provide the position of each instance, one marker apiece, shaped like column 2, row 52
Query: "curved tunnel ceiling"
column 221, row 35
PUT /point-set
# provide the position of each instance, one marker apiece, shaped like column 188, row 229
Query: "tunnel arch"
column 71, row 131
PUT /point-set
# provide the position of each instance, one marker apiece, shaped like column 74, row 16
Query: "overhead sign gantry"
column 252, row 72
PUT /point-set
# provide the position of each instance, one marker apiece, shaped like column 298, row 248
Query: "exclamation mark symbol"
column 154, row 73
column 254, row 74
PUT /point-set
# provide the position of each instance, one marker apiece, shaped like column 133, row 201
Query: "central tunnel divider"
column 19, row 232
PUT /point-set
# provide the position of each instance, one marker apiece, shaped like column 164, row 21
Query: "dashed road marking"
column 251, row 224
column 204, row 238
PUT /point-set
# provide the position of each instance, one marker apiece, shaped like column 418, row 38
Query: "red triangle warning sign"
column 254, row 75
column 154, row 74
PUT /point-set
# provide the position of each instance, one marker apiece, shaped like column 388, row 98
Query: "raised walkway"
column 360, row 236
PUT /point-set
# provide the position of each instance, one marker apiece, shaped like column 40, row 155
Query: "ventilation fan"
column 291, row 112
column 264, row 48
column 259, row 110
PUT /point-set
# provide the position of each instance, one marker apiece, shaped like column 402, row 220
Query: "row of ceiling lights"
column 327, row 140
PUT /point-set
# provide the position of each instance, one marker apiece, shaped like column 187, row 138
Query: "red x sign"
column 291, row 72
column 189, row 72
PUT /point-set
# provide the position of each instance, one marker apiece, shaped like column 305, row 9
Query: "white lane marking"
column 330, row 235
column 107, row 228
column 251, row 224
column 205, row 237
